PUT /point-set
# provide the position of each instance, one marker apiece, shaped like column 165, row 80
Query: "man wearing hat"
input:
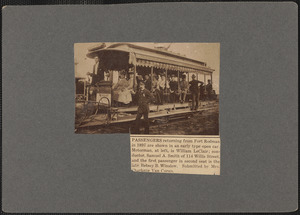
column 155, row 89
column 208, row 89
column 195, row 92
column 173, row 89
column 97, row 74
column 184, row 85
column 202, row 91
column 162, row 86
column 147, row 82
column 144, row 98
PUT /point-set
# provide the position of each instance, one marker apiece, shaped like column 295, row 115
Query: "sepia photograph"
column 150, row 107
column 147, row 88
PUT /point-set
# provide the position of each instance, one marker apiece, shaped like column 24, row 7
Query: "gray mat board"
column 48, row 168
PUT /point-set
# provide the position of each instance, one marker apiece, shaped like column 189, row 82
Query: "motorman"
column 144, row 97
column 195, row 92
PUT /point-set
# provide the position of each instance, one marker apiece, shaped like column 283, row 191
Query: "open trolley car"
column 99, row 107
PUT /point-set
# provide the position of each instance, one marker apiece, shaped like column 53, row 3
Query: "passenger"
column 173, row 89
column 195, row 92
column 183, row 89
column 106, row 76
column 144, row 98
column 147, row 82
column 162, row 87
column 121, row 92
column 154, row 82
column 155, row 90
column 131, row 82
column 132, row 86
column 167, row 90
column 202, row 91
column 139, row 79
column 97, row 75
column 209, row 90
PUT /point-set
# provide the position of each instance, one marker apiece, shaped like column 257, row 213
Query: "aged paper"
column 168, row 91
column 175, row 154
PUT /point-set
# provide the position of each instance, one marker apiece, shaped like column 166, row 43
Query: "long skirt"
column 123, row 96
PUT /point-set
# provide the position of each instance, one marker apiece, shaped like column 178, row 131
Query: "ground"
column 201, row 123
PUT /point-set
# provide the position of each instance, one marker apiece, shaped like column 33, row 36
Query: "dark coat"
column 208, row 88
column 148, row 84
column 97, row 76
column 194, row 86
column 173, row 85
column 144, row 98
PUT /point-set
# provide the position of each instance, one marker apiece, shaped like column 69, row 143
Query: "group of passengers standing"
column 145, row 90
column 144, row 95
column 163, row 89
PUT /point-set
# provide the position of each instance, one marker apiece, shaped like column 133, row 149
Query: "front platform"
column 128, row 114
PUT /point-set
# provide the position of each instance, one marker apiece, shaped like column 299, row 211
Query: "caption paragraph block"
column 185, row 155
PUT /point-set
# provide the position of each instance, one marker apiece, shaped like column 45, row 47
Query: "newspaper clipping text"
column 165, row 154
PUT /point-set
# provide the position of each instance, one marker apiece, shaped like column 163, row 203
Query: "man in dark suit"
column 202, row 91
column 98, row 74
column 173, row 89
column 147, row 82
column 194, row 89
column 144, row 98
column 209, row 89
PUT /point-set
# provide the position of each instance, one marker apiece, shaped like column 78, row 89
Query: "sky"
column 206, row 52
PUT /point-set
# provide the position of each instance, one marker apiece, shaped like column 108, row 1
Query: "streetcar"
column 96, row 104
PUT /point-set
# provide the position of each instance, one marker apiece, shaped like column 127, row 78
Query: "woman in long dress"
column 155, row 90
column 121, row 92
column 131, row 83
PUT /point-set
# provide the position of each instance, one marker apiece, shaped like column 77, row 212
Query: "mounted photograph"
column 147, row 88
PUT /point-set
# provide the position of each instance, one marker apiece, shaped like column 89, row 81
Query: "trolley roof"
column 157, row 58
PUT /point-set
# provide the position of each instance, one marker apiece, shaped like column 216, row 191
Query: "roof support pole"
column 178, row 86
column 134, row 76
column 151, row 77
column 166, row 76
column 84, row 88
column 204, row 82
column 166, row 79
